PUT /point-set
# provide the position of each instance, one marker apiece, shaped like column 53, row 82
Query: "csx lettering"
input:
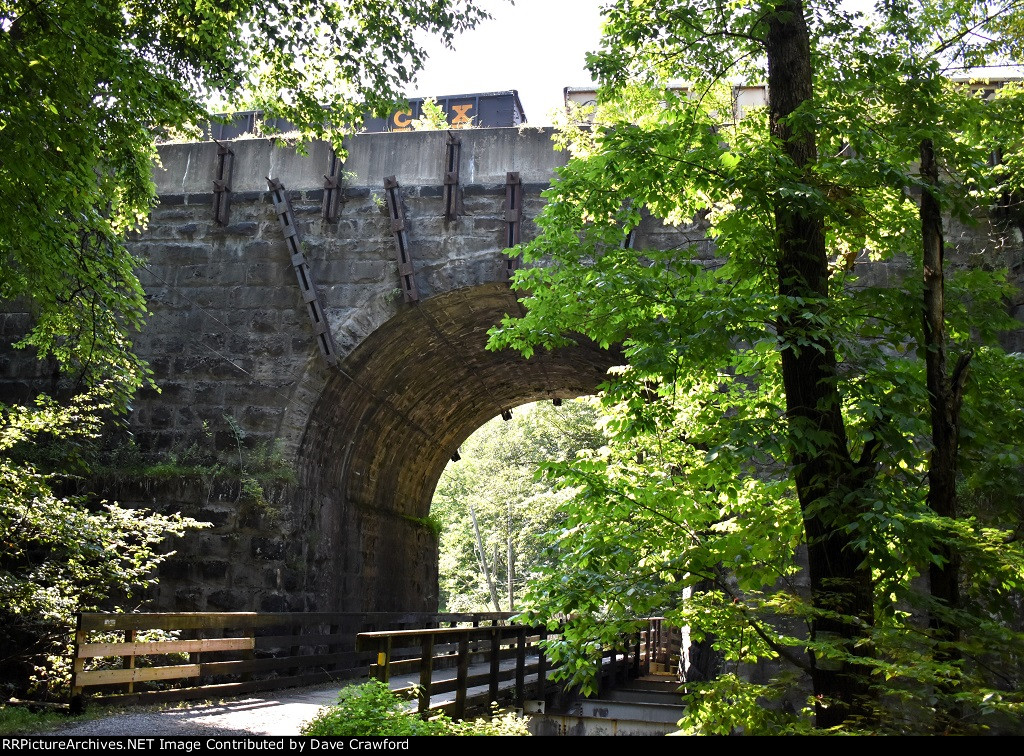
column 402, row 119
column 461, row 116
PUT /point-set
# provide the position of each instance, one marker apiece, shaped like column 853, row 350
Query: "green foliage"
column 19, row 720
column 498, row 476
column 63, row 554
column 432, row 523
column 370, row 709
column 432, row 117
column 265, row 465
column 694, row 509
column 255, row 468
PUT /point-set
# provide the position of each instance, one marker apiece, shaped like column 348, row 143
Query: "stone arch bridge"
column 338, row 314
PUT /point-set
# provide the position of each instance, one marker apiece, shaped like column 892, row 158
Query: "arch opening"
column 390, row 419
column 492, row 511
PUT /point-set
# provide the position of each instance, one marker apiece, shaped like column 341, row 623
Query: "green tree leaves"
column 62, row 553
column 775, row 393
column 497, row 476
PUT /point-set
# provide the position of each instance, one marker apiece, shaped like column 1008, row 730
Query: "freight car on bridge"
column 480, row 109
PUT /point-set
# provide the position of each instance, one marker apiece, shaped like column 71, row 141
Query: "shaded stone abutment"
column 389, row 420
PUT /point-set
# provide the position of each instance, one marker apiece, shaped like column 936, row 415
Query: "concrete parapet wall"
column 415, row 158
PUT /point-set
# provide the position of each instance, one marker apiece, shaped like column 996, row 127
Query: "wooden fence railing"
column 666, row 648
column 471, row 657
column 495, row 664
column 208, row 655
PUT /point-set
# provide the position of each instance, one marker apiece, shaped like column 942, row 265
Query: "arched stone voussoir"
column 398, row 407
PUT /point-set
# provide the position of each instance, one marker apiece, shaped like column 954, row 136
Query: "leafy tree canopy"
column 62, row 554
column 496, row 477
column 776, row 399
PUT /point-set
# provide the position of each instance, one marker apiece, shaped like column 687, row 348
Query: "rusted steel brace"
column 406, row 270
column 222, row 183
column 513, row 219
column 452, row 154
column 332, row 188
column 283, row 208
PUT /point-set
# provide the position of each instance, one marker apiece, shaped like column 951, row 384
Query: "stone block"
column 184, row 254
column 161, row 418
column 216, row 517
column 295, row 603
column 214, row 569
column 227, row 601
column 265, row 419
column 271, row 273
column 267, row 549
column 242, row 229
column 274, row 602
column 188, row 599
column 284, row 296
column 251, row 197
column 155, row 442
column 483, row 190
column 489, row 226
column 14, row 325
column 201, row 199
column 175, row 569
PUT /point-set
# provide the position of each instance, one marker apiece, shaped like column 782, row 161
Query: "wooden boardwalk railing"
column 201, row 655
column 208, row 655
column 475, row 654
column 484, row 658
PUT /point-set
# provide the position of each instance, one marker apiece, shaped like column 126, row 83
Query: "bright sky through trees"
column 536, row 47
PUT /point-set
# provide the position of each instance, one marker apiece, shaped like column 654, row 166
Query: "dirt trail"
column 275, row 713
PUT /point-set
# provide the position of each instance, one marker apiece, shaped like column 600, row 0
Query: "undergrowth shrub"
column 371, row 708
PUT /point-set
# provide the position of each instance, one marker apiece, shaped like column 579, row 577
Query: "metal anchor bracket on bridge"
column 283, row 208
column 452, row 154
column 332, row 188
column 222, row 183
column 406, row 270
column 513, row 219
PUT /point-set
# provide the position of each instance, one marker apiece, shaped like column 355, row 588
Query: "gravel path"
column 275, row 713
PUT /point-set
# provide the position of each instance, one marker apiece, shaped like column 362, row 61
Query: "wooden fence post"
column 520, row 666
column 492, row 690
column 128, row 662
column 77, row 702
column 463, row 671
column 426, row 673
column 384, row 660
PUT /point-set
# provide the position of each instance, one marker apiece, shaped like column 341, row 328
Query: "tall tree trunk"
column 826, row 473
column 945, row 396
column 483, row 561
column 511, row 574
